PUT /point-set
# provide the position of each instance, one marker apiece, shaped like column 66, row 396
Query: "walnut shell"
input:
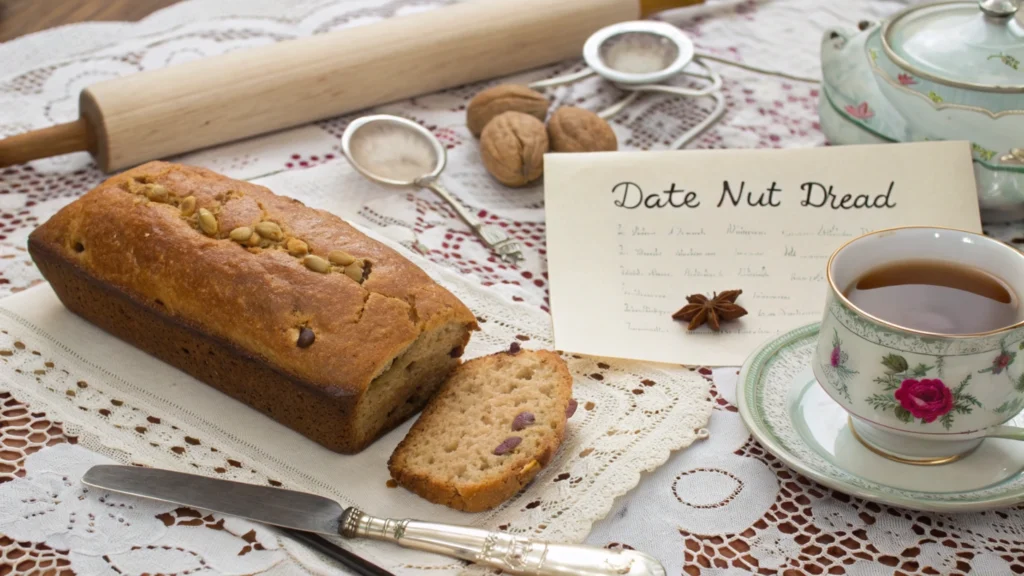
column 504, row 98
column 512, row 148
column 574, row 129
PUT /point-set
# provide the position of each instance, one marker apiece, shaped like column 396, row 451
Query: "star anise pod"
column 719, row 308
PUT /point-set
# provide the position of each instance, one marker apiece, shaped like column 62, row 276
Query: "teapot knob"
column 999, row 8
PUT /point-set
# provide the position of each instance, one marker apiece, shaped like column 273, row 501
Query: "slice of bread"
column 494, row 424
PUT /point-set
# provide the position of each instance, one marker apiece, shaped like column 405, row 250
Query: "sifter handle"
column 494, row 237
column 518, row 555
column 45, row 142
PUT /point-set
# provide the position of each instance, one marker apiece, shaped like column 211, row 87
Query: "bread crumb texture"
column 495, row 423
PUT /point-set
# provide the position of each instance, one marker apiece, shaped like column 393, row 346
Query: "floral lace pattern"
column 723, row 507
column 86, row 531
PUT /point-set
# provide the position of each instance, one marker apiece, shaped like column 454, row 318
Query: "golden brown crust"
column 520, row 468
column 252, row 300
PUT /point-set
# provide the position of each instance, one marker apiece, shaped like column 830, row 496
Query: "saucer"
column 790, row 414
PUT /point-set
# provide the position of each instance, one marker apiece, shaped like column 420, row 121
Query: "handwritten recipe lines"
column 651, row 263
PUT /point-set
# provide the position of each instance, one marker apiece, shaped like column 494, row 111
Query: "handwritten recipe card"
column 631, row 234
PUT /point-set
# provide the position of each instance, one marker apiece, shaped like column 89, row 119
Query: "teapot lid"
column 966, row 44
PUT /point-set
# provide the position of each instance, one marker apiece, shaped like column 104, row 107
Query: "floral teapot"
column 945, row 71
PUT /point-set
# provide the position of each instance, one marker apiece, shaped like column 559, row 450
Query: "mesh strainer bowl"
column 638, row 52
column 641, row 56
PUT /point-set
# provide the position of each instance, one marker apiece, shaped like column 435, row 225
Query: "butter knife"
column 518, row 555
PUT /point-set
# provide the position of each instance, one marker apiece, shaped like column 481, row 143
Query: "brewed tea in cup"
column 935, row 296
column 920, row 341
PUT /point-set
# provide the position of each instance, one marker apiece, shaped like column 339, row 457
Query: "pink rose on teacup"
column 1001, row 362
column 926, row 399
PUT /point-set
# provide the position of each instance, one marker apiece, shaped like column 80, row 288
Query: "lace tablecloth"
column 724, row 507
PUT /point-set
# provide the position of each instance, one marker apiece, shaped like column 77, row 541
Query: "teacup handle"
column 1007, row 432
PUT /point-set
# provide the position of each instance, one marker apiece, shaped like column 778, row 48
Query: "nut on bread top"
column 302, row 290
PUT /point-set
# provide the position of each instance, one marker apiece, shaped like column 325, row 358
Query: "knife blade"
column 276, row 506
column 514, row 554
column 347, row 559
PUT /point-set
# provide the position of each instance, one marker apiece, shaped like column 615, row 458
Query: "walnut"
column 504, row 98
column 574, row 129
column 512, row 148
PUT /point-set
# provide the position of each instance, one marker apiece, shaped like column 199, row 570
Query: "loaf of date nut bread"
column 286, row 308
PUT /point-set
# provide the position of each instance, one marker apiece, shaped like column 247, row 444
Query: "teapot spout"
column 836, row 38
column 839, row 50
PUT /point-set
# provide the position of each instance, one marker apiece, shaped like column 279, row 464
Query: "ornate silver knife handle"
column 511, row 554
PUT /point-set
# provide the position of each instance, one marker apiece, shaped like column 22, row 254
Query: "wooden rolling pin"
column 160, row 113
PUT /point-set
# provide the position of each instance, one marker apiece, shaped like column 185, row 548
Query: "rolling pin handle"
column 45, row 142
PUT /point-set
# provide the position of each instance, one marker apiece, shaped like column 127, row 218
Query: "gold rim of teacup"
column 937, row 461
column 842, row 297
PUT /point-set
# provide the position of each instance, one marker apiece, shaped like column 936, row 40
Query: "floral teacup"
column 914, row 396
